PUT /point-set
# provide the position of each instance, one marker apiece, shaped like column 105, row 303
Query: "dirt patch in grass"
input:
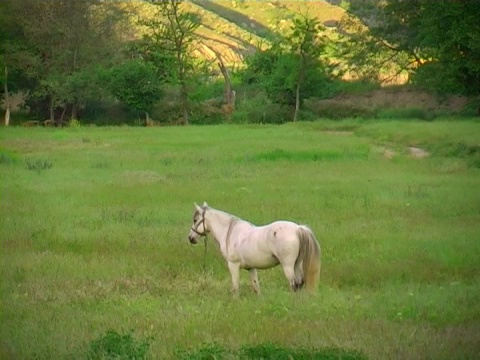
column 418, row 153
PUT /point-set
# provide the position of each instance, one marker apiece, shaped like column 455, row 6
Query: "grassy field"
column 94, row 225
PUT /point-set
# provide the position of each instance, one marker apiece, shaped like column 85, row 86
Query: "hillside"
column 235, row 28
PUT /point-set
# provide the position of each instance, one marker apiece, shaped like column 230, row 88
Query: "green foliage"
column 461, row 150
column 172, row 31
column 440, row 40
column 116, row 346
column 38, row 165
column 277, row 73
column 333, row 109
column 207, row 113
column 331, row 155
column 7, row 158
column 261, row 110
column 269, row 352
column 291, row 65
column 405, row 113
column 208, row 351
column 134, row 83
column 53, row 49
column 74, row 123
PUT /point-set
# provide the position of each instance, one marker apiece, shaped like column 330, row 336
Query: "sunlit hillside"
column 234, row 29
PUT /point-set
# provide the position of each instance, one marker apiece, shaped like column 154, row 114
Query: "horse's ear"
column 205, row 204
column 199, row 209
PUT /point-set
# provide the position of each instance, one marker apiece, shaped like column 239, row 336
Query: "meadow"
column 94, row 248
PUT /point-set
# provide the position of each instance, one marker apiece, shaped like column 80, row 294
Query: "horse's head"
column 199, row 227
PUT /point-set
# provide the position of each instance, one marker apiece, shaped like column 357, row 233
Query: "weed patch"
column 335, row 110
column 38, row 165
column 114, row 345
column 270, row 352
column 7, row 158
column 462, row 150
column 294, row 156
column 405, row 113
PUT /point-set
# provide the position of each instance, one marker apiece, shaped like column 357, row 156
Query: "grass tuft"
column 269, row 351
column 114, row 345
column 38, row 165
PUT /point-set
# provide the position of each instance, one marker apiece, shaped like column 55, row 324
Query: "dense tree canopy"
column 439, row 41
column 65, row 56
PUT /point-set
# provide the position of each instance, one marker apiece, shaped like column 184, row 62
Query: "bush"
column 269, row 352
column 38, row 165
column 260, row 110
column 113, row 345
column 334, row 109
column 405, row 113
column 7, row 158
column 208, row 112
column 74, row 124
column 267, row 114
column 472, row 108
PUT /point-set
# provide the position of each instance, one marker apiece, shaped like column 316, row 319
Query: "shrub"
column 269, row 352
column 74, row 124
column 405, row 113
column 113, row 345
column 7, row 158
column 208, row 112
column 260, row 110
column 334, row 109
column 38, row 165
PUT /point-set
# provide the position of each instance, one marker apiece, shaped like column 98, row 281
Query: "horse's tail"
column 309, row 254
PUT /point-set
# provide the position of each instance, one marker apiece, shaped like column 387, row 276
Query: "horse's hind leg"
column 289, row 272
column 254, row 280
column 299, row 277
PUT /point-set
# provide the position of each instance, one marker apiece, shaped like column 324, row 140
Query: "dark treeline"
column 87, row 60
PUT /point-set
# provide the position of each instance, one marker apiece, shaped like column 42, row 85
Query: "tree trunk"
column 297, row 102
column 301, row 78
column 7, row 98
column 184, row 100
column 63, row 113
column 74, row 111
column 229, row 94
column 52, row 109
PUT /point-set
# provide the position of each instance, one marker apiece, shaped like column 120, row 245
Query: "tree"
column 307, row 46
column 173, row 32
column 135, row 84
column 61, row 42
column 13, row 51
column 437, row 42
column 291, row 70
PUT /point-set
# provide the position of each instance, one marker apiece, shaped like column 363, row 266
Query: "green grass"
column 95, row 256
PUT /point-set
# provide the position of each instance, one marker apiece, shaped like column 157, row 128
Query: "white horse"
column 250, row 247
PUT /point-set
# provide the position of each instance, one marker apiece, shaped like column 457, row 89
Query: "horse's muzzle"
column 192, row 240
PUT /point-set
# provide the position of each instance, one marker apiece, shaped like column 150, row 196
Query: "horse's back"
column 264, row 246
column 282, row 230
column 281, row 237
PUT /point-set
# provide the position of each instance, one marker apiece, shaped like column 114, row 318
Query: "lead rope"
column 205, row 256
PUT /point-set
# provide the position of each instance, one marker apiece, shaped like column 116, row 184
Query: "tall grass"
column 97, row 244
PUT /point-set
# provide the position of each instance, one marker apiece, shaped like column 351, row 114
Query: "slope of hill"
column 236, row 28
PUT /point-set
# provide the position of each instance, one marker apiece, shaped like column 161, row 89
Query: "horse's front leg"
column 235, row 273
column 254, row 281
